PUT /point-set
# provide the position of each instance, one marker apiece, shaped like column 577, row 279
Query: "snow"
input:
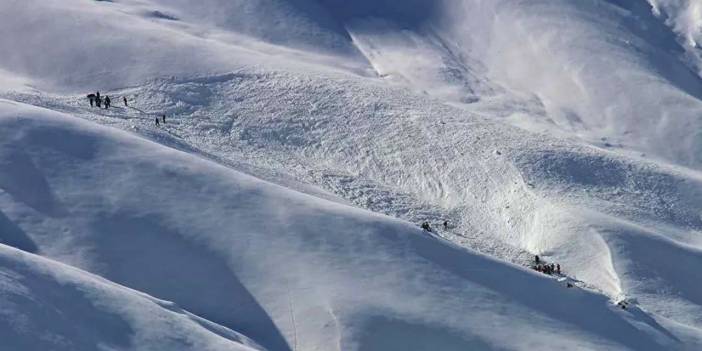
column 277, row 207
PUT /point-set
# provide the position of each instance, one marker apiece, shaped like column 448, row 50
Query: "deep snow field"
column 278, row 208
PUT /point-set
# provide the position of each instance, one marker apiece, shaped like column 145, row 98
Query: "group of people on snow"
column 427, row 227
column 99, row 101
column 163, row 120
column 545, row 267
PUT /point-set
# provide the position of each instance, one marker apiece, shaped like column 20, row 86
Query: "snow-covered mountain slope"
column 46, row 305
column 568, row 129
column 288, row 270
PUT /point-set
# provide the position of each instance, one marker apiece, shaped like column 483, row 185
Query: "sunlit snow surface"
column 277, row 207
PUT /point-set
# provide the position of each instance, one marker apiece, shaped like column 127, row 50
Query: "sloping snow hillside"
column 299, row 144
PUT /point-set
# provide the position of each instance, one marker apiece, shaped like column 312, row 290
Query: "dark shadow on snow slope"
column 382, row 334
column 661, row 260
column 567, row 305
column 408, row 13
column 51, row 312
column 20, row 178
column 142, row 253
column 12, row 235
column 666, row 52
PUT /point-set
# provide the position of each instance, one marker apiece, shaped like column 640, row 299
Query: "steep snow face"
column 609, row 72
column 288, row 270
column 45, row 305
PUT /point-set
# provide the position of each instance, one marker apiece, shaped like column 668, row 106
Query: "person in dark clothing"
column 107, row 102
column 124, row 98
column 97, row 95
column 558, row 268
column 157, row 124
column 446, row 225
column 425, row 226
column 164, row 119
column 537, row 259
column 98, row 101
column 552, row 268
column 91, row 97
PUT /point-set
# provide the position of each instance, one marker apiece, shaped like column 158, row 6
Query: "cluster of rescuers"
column 545, row 268
column 98, row 101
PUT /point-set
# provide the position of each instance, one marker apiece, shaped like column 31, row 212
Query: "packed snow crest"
column 366, row 175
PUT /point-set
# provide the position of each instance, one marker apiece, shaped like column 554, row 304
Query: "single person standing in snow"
column 91, row 97
column 98, row 101
column 107, row 102
column 164, row 119
column 157, row 124
column 124, row 98
column 537, row 259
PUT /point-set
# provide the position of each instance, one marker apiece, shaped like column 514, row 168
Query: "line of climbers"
column 98, row 101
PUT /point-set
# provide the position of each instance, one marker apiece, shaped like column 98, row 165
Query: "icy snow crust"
column 567, row 129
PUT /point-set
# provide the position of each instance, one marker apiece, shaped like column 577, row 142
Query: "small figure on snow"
column 446, row 225
column 558, row 268
column 425, row 226
column 124, row 98
column 157, row 124
column 98, row 101
column 537, row 259
column 107, row 102
column 164, row 119
column 91, row 97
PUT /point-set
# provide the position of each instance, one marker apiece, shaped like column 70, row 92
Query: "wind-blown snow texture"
column 276, row 209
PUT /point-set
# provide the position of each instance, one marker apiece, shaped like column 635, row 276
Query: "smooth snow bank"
column 288, row 270
column 45, row 305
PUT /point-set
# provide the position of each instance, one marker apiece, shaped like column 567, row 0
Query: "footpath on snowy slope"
column 288, row 270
